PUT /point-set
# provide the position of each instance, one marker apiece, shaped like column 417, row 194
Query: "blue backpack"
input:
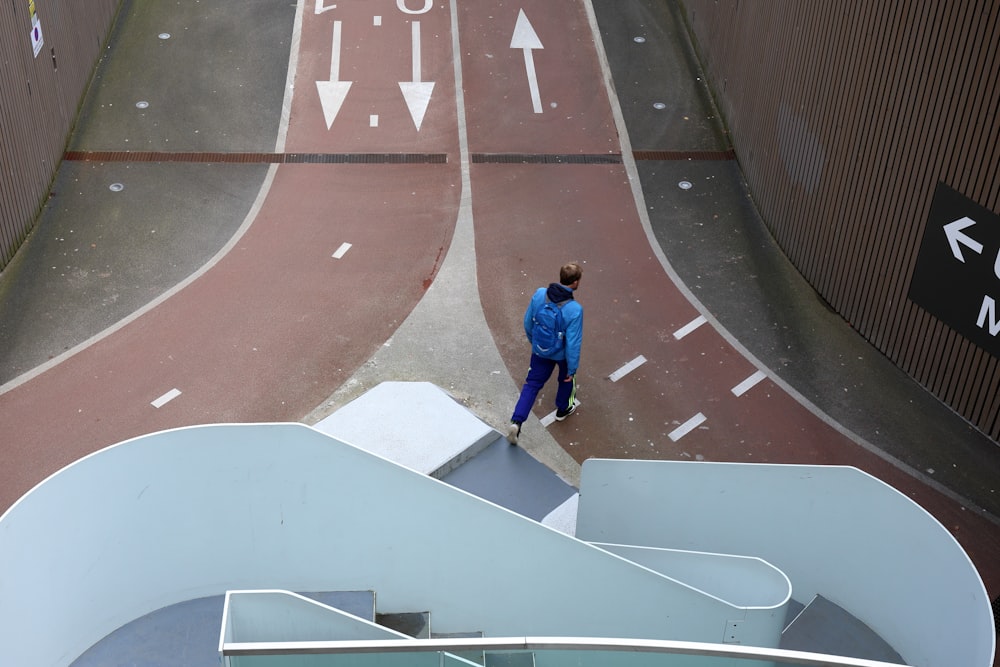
column 548, row 335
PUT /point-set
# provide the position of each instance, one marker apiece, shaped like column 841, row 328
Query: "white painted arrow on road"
column 953, row 230
column 525, row 38
column 333, row 92
column 417, row 93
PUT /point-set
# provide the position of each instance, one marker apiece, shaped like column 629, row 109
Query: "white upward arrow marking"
column 953, row 230
column 333, row 92
column 417, row 93
column 525, row 38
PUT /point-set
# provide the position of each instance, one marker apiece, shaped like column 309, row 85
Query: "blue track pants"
column 538, row 375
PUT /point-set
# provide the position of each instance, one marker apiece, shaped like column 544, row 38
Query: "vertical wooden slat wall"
column 39, row 98
column 845, row 116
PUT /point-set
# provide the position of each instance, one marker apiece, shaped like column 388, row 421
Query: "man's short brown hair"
column 570, row 273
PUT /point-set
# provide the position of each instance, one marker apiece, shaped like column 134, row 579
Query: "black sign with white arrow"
column 957, row 275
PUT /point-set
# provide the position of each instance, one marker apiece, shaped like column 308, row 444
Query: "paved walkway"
column 178, row 289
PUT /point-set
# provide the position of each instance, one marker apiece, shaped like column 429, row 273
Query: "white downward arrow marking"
column 319, row 9
column 333, row 92
column 953, row 230
column 417, row 93
column 525, row 38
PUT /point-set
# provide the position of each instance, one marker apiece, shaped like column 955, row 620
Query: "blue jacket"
column 572, row 314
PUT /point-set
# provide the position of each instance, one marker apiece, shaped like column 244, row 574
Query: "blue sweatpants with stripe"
column 538, row 374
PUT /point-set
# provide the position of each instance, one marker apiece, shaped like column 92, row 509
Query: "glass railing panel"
column 420, row 659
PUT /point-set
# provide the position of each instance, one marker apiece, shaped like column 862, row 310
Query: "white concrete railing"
column 549, row 652
column 198, row 511
column 832, row 530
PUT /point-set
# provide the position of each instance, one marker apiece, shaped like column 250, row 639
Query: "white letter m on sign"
column 989, row 308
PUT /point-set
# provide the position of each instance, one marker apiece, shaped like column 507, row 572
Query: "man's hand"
column 569, row 378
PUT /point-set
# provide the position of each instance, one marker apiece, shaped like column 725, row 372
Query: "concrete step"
column 187, row 633
column 510, row 477
column 824, row 627
column 413, row 624
column 472, row 656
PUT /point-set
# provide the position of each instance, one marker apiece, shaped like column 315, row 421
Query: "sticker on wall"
column 36, row 29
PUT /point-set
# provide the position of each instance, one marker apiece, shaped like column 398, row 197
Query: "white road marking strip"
column 687, row 427
column 166, row 398
column 749, row 383
column 627, row 368
column 373, row 120
column 342, row 250
column 377, row 20
column 689, row 327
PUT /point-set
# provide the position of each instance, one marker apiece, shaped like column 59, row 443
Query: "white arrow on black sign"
column 956, row 237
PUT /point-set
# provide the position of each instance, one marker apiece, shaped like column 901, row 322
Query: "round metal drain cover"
column 164, row 35
column 659, row 105
column 684, row 185
column 638, row 40
column 116, row 187
column 142, row 104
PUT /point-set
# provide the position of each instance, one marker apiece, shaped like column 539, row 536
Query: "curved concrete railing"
column 741, row 581
column 834, row 531
column 198, row 511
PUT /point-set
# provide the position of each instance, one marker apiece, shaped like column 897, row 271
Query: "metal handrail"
column 457, row 645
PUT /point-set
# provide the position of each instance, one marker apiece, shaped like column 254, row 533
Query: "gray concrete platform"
column 415, row 424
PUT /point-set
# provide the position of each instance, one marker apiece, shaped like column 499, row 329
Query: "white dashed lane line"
column 342, row 250
column 166, row 398
column 627, row 368
column 749, row 383
column 687, row 427
column 689, row 327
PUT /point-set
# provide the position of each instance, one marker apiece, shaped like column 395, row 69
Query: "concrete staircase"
column 433, row 434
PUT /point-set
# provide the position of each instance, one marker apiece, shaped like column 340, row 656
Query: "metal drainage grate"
column 542, row 158
column 669, row 156
column 258, row 158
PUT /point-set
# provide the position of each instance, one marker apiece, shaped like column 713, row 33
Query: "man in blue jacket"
column 553, row 323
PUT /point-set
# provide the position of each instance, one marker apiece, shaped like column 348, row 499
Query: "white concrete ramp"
column 415, row 424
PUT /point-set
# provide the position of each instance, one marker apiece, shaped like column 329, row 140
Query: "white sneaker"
column 513, row 432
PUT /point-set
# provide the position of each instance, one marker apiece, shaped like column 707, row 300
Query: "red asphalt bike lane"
column 278, row 323
column 529, row 218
